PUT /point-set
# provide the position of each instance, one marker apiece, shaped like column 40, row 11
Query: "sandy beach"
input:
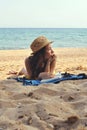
column 61, row 106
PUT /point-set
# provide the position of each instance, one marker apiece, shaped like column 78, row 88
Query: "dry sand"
column 61, row 106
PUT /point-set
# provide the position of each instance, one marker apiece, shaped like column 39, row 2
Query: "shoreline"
column 52, row 47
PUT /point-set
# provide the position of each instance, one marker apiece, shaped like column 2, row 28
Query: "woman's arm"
column 51, row 64
column 49, row 71
column 47, row 68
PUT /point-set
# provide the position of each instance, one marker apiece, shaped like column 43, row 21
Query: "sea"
column 21, row 38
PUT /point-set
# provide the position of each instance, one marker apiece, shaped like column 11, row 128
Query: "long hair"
column 37, row 63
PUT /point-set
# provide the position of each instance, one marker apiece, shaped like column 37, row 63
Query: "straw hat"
column 39, row 43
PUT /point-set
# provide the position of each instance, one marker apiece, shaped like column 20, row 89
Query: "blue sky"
column 43, row 13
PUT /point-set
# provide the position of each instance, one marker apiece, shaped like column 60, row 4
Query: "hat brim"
column 43, row 46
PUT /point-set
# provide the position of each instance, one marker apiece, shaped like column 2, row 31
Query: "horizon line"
column 45, row 27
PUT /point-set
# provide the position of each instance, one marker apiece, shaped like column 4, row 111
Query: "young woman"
column 42, row 62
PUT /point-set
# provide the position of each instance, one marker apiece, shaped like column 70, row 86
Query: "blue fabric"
column 64, row 76
column 27, row 81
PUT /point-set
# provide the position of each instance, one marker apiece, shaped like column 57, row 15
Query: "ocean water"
column 21, row 38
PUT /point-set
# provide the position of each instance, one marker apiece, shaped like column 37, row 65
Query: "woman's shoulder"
column 27, row 59
column 28, row 66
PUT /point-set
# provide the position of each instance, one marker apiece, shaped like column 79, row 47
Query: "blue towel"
column 65, row 76
column 27, row 81
column 55, row 80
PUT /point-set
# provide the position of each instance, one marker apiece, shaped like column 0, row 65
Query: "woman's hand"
column 52, row 58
